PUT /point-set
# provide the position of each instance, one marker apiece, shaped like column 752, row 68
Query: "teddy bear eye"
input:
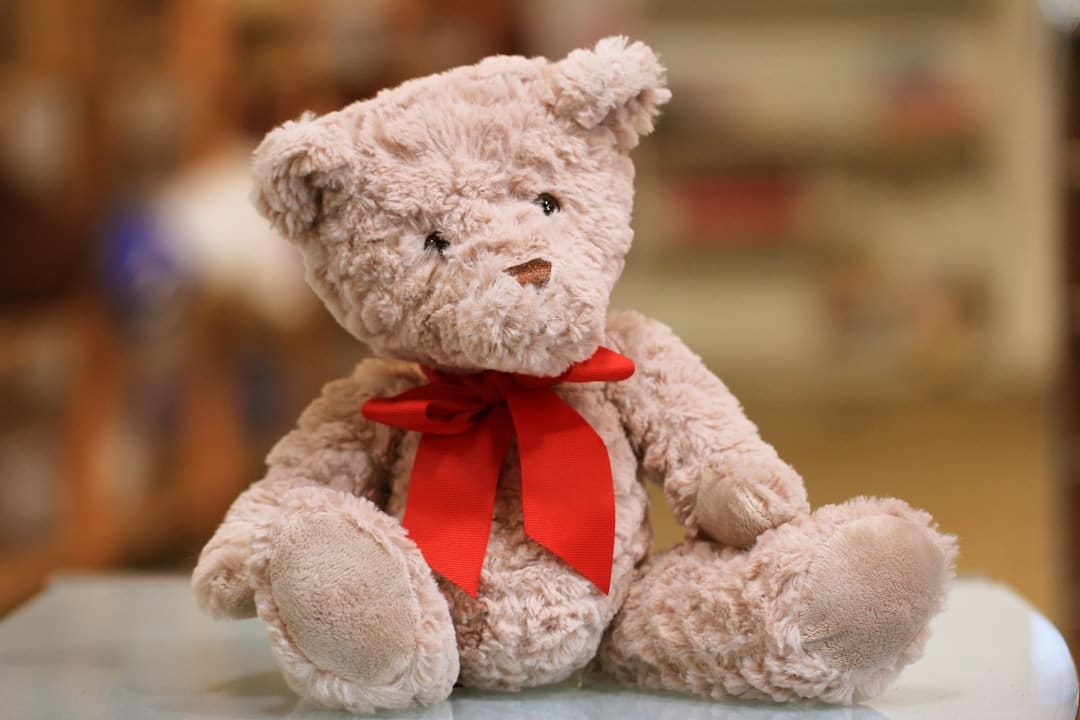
column 437, row 242
column 547, row 203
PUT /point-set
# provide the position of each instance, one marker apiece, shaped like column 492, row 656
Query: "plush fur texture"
column 786, row 619
column 763, row 600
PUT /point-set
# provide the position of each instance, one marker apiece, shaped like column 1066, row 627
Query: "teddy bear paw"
column 221, row 583
column 750, row 494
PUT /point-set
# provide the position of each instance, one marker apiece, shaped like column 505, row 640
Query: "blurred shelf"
column 25, row 570
column 678, row 153
column 792, row 257
column 817, row 9
column 152, row 530
column 1072, row 162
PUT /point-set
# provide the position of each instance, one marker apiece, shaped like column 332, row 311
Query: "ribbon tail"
column 451, row 497
column 605, row 365
column 567, row 496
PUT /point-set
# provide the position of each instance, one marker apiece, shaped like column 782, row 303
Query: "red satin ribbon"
column 467, row 423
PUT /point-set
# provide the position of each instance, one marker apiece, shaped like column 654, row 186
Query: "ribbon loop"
column 467, row 423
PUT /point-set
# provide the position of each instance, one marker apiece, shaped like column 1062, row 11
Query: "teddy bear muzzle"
column 531, row 272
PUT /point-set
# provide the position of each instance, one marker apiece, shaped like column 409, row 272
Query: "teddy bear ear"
column 620, row 84
column 302, row 174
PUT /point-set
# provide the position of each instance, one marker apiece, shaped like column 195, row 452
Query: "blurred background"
column 862, row 213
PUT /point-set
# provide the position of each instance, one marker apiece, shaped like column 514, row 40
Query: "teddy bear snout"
column 532, row 272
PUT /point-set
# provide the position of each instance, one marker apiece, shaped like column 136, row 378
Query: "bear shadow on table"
column 560, row 702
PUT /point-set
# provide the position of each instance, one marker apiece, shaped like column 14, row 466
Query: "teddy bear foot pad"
column 354, row 616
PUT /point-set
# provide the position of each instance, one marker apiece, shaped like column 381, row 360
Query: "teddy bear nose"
column 532, row 272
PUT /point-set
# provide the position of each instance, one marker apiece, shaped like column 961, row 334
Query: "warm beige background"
column 984, row 470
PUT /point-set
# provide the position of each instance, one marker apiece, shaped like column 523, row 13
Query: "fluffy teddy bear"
column 469, row 506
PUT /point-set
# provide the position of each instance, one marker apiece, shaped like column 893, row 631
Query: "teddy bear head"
column 473, row 219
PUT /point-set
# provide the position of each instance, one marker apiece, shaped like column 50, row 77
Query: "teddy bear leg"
column 353, row 612
column 829, row 607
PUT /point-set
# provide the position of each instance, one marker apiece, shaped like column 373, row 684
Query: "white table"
column 118, row 647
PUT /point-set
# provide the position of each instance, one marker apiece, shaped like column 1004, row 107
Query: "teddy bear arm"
column 690, row 433
column 332, row 446
column 220, row 578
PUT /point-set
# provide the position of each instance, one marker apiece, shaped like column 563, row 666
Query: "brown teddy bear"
column 469, row 507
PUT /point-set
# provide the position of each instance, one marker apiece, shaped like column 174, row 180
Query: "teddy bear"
column 469, row 506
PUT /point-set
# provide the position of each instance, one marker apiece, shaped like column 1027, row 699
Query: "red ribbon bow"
column 467, row 423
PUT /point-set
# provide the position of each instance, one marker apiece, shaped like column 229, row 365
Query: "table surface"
column 118, row 647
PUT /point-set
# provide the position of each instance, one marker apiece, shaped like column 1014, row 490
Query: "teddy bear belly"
column 535, row 620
